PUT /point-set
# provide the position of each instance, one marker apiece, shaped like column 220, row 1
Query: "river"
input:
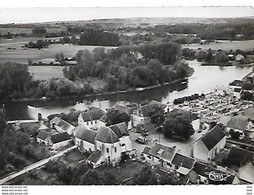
column 204, row 79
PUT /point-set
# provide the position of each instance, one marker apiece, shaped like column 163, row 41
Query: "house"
column 122, row 133
column 241, row 124
column 112, row 144
column 42, row 137
column 141, row 115
column 92, row 119
column 85, row 139
column 61, row 125
column 239, row 58
column 210, row 144
column 104, row 145
column 208, row 174
column 95, row 159
column 58, row 140
column 239, row 156
column 159, row 154
column 182, row 164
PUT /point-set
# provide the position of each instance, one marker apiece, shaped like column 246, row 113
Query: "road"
column 35, row 165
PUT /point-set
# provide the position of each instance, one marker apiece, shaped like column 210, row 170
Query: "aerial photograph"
column 127, row 95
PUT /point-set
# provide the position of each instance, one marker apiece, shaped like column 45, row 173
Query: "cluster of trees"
column 91, row 36
column 222, row 31
column 38, row 44
column 56, row 88
column 82, row 174
column 128, row 67
column 178, row 127
column 16, row 148
column 39, row 31
column 114, row 116
column 186, row 98
column 153, row 176
column 15, row 81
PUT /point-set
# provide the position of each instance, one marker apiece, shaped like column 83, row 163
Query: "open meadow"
column 12, row 50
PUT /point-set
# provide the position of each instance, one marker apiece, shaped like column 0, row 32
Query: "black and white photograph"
column 115, row 94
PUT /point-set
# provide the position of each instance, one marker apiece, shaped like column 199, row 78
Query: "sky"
column 27, row 11
column 122, row 3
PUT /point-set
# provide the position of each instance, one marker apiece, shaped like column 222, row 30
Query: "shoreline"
column 139, row 89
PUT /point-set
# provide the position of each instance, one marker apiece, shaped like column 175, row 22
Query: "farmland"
column 224, row 45
column 12, row 50
column 46, row 72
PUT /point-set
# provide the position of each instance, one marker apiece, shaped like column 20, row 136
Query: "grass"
column 22, row 55
column 46, row 72
column 74, row 157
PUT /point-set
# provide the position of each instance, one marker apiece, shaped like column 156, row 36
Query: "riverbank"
column 139, row 89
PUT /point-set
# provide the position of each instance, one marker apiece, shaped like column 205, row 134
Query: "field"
column 12, row 51
column 46, row 72
column 224, row 45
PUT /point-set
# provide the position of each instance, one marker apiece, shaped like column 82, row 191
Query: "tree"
column 146, row 176
column 157, row 116
column 39, row 31
column 178, row 127
column 114, row 116
column 91, row 177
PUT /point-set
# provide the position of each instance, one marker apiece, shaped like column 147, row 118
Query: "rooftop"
column 183, row 161
column 85, row 134
column 212, row 137
column 106, row 135
column 60, row 137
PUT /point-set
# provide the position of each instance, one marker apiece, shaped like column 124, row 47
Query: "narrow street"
column 34, row 165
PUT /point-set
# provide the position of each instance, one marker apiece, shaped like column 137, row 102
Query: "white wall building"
column 210, row 144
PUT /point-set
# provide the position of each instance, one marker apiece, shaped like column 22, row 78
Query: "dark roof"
column 94, row 156
column 61, row 123
column 162, row 151
column 64, row 125
column 240, row 155
column 150, row 106
column 238, row 90
column 238, row 122
column 212, row 137
column 106, row 135
column 43, row 134
column 86, row 134
column 209, row 172
column 120, row 129
column 146, row 150
column 60, row 137
column 236, row 83
column 183, row 161
column 92, row 114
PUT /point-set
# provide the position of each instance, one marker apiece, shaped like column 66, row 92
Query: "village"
column 218, row 151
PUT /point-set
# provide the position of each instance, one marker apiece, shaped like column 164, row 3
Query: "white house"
column 210, row 144
column 92, row 119
column 105, row 145
column 61, row 125
column 182, row 164
column 112, row 144
column 85, row 139
column 42, row 137
column 159, row 154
